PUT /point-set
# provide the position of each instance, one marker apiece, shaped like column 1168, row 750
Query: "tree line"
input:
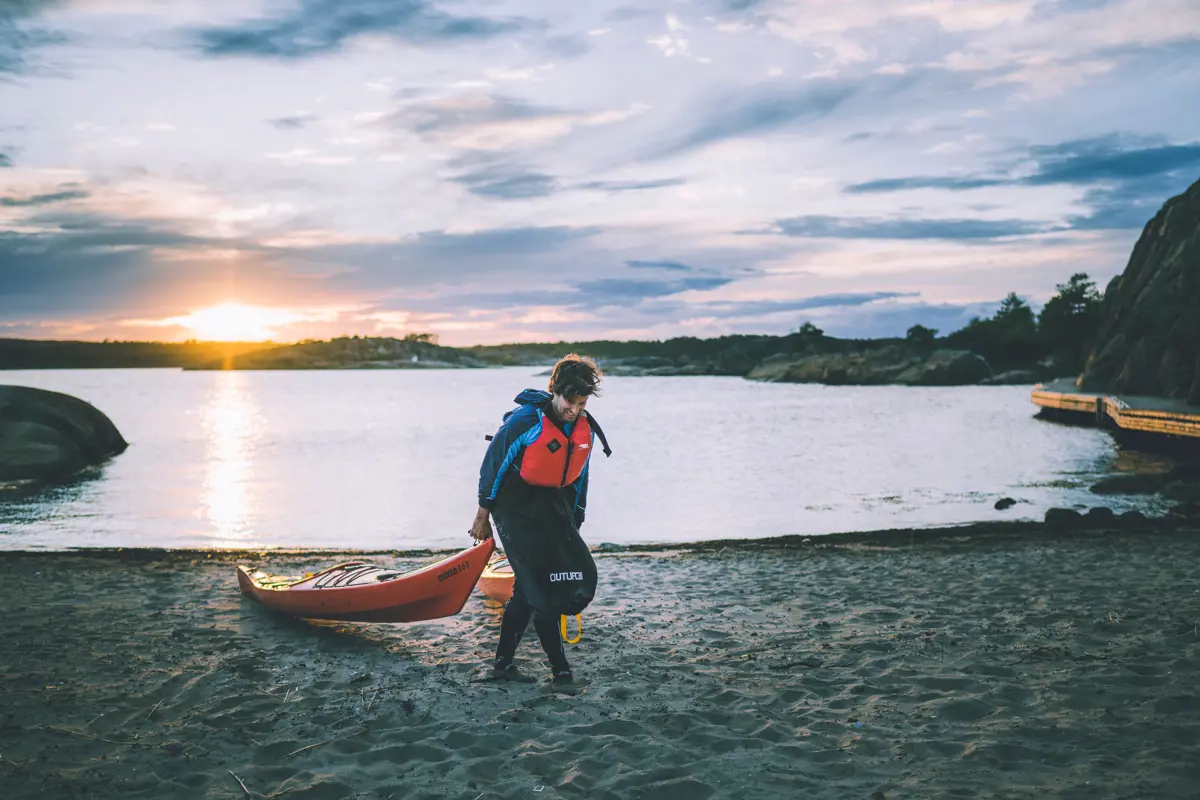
column 1064, row 330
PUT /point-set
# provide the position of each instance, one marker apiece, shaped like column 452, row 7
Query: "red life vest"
column 554, row 459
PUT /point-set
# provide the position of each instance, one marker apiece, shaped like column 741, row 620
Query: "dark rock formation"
column 1063, row 519
column 1004, row 502
column 885, row 365
column 640, row 366
column 1130, row 484
column 47, row 435
column 1149, row 337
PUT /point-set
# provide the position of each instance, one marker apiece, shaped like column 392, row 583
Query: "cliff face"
column 1149, row 337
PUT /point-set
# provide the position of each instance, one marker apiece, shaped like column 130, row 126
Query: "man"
column 534, row 481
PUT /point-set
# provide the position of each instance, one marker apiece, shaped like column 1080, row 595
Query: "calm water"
column 389, row 459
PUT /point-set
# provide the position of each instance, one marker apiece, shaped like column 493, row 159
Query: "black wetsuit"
column 539, row 528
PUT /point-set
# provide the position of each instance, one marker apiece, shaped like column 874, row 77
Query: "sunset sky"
column 508, row 170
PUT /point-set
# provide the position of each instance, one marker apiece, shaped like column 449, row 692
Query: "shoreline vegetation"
column 1014, row 346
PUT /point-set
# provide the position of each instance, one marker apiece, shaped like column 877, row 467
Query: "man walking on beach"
column 534, row 482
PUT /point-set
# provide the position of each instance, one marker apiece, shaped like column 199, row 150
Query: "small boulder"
column 1100, row 516
column 1189, row 509
column 1132, row 518
column 1004, row 502
column 1063, row 518
column 48, row 435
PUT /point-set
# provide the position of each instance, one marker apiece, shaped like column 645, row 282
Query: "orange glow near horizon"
column 234, row 322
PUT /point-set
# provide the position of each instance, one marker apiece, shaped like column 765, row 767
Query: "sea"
column 389, row 459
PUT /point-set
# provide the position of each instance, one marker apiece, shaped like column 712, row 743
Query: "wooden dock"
column 1144, row 415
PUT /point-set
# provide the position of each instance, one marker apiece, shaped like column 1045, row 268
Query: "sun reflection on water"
column 232, row 425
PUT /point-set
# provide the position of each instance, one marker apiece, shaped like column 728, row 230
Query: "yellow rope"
column 562, row 627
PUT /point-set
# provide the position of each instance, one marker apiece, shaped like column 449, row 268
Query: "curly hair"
column 575, row 376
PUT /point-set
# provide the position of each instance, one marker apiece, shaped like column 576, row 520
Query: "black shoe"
column 563, row 677
column 507, row 671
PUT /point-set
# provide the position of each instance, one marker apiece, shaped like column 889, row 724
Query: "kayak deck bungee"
column 356, row 591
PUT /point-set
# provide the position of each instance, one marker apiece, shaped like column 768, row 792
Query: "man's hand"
column 481, row 529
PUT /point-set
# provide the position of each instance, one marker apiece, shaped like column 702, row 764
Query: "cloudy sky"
column 507, row 170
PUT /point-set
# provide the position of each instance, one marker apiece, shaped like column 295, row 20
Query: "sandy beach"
column 960, row 663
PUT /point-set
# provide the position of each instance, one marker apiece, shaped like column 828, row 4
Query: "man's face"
column 566, row 408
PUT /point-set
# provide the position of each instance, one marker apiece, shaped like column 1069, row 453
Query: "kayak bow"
column 356, row 591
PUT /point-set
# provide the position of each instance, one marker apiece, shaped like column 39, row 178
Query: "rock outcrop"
column 47, row 435
column 1149, row 337
column 886, row 365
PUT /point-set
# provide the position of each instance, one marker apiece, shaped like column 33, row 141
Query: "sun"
column 234, row 322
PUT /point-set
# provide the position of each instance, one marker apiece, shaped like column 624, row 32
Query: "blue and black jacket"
column 521, row 427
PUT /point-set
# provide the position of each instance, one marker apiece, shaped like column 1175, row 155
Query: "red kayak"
column 497, row 580
column 360, row 592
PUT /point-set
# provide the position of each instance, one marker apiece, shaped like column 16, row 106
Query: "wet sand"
column 945, row 664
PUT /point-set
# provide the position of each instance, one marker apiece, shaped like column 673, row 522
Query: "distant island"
column 1013, row 346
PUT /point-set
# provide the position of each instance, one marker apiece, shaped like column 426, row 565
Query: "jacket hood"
column 532, row 397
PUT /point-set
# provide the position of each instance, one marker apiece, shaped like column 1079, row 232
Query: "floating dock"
column 1142, row 415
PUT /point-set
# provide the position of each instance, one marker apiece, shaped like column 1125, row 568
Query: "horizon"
column 523, row 172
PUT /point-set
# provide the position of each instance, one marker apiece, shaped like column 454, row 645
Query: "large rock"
column 884, row 365
column 947, row 368
column 1149, row 337
column 46, row 435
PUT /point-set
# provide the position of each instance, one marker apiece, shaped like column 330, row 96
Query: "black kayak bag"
column 537, row 527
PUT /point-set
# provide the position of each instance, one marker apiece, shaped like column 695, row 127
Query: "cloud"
column 42, row 199
column 893, row 319
column 668, row 265
column 950, row 182
column 5, row 161
column 91, row 265
column 85, row 263
column 316, row 27
column 618, row 289
column 568, row 45
column 1128, row 178
column 1108, row 158
column 632, row 186
column 301, row 156
column 17, row 39
column 294, row 122
column 763, row 112
column 572, row 297
column 822, row 227
column 512, row 183
column 493, row 122
column 755, row 308
column 1101, row 35
column 1128, row 204
column 508, row 184
column 672, row 43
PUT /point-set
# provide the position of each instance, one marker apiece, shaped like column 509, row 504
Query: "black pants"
column 517, row 613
